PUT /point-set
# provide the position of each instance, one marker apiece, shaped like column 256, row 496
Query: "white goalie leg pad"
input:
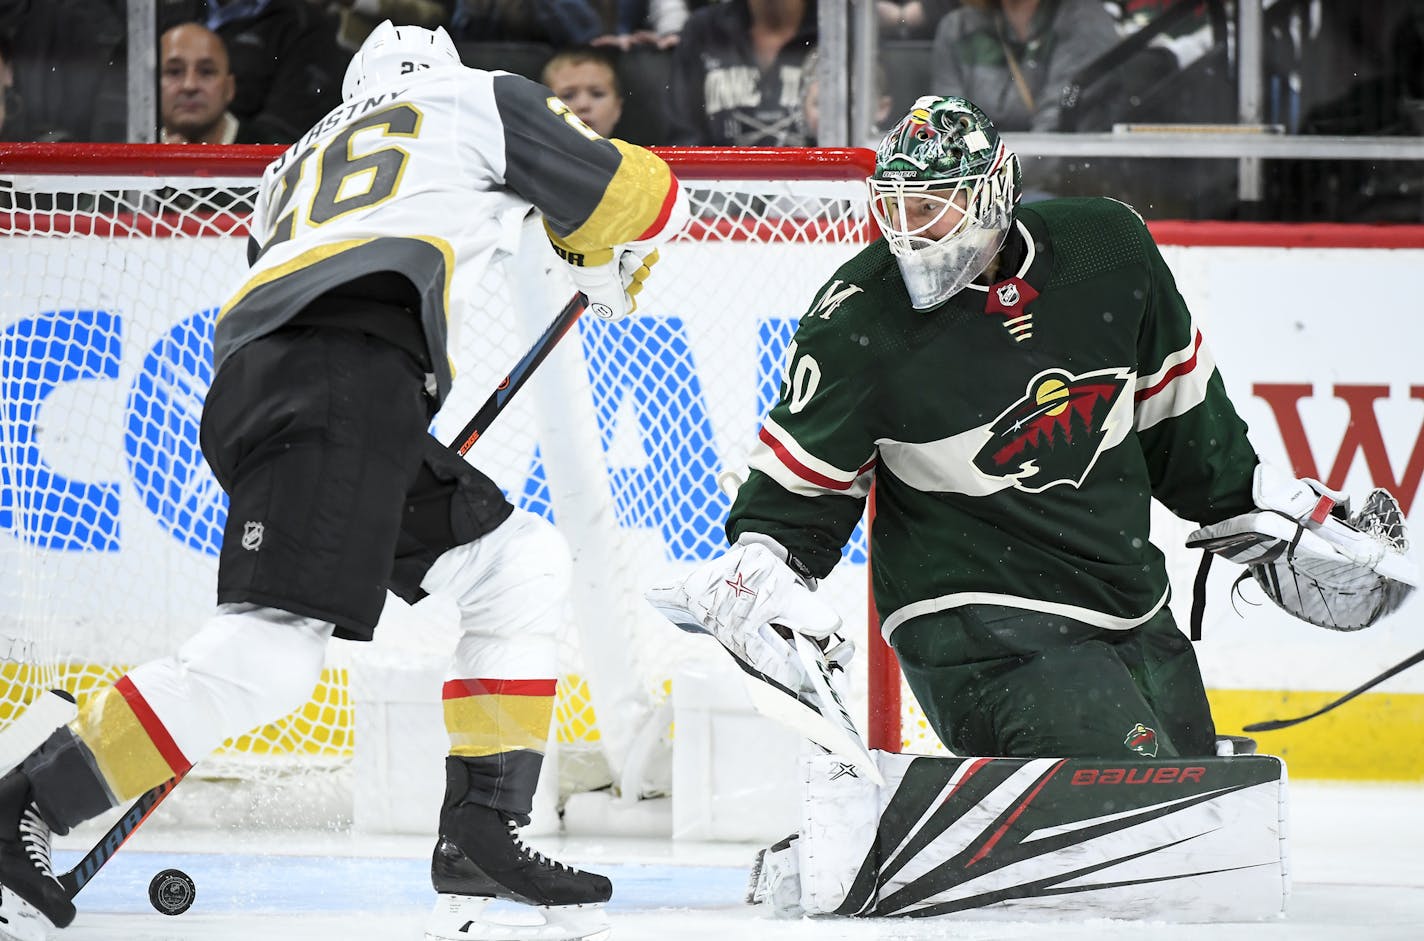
column 811, row 872
column 1188, row 840
column 247, row 666
column 511, row 586
column 475, row 918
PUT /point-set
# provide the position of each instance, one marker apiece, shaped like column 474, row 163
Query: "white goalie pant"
column 1188, row 840
column 511, row 587
column 247, row 666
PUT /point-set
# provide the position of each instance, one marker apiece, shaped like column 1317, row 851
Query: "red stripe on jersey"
column 804, row 472
column 149, row 721
column 459, row 689
column 669, row 200
column 1181, row 369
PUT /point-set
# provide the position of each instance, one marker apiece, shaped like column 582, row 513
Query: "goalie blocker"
column 1195, row 840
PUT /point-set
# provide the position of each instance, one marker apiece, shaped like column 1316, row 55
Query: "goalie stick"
column 91, row 862
column 1274, row 724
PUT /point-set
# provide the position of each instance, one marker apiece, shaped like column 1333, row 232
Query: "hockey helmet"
column 392, row 51
column 943, row 192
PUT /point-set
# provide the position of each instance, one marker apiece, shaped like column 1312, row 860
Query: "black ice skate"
column 479, row 858
column 31, row 899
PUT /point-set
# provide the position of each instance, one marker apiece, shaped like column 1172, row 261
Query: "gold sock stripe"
column 129, row 758
column 489, row 717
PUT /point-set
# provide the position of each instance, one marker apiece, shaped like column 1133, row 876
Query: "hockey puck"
column 172, row 892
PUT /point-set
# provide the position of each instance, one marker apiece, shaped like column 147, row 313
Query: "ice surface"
column 1357, row 858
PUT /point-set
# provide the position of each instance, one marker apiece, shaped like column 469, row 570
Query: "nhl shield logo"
column 1142, row 740
column 1010, row 299
column 252, row 535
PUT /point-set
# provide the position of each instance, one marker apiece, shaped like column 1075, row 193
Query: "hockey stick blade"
column 83, row 871
column 48, row 712
column 1274, row 724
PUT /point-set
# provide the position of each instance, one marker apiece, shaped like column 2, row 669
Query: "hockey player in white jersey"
column 330, row 361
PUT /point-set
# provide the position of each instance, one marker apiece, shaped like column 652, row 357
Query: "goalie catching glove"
column 1312, row 557
column 782, row 637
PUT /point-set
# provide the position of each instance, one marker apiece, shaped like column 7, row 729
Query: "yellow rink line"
column 1373, row 737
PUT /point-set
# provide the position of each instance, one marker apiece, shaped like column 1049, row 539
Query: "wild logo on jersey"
column 1055, row 432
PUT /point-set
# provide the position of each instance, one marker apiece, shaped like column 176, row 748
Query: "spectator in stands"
column 69, row 60
column 1013, row 57
column 356, row 18
column 195, row 86
column 284, row 55
column 556, row 22
column 586, row 81
column 737, row 73
column 656, row 23
column 911, row 19
column 7, row 84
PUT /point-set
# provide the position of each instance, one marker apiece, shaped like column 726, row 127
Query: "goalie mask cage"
column 116, row 258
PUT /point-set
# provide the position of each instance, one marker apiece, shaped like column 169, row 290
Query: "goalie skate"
column 476, row 918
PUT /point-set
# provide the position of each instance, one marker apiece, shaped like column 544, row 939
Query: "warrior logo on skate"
column 1142, row 740
column 252, row 535
column 1054, row 434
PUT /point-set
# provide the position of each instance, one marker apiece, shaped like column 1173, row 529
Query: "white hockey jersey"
column 426, row 179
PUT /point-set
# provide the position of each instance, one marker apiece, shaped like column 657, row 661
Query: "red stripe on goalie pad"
column 1190, row 840
column 458, row 689
column 1322, row 509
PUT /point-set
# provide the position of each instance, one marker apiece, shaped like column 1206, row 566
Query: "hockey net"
column 115, row 261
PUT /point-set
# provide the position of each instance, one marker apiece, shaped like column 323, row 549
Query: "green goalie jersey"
column 1014, row 433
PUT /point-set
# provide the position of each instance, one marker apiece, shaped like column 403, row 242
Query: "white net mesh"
column 110, row 520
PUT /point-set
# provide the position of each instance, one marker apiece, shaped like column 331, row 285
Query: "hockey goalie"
column 1019, row 382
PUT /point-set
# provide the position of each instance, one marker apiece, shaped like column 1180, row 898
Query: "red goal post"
column 116, row 258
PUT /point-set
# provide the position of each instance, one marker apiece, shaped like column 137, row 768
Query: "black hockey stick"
column 78, row 876
column 522, row 370
column 83, row 871
column 1273, row 724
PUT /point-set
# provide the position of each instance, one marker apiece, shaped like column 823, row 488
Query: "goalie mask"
column 392, row 51
column 943, row 192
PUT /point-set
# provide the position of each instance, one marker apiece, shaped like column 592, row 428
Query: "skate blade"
column 478, row 918
column 21, row 921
